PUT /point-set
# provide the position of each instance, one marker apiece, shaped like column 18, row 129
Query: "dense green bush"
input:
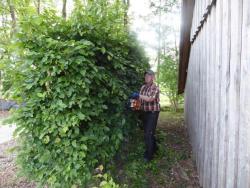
column 73, row 78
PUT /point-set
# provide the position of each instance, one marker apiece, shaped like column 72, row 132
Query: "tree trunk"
column 38, row 6
column 3, row 21
column 126, row 3
column 85, row 3
column 176, row 48
column 1, row 84
column 176, row 105
column 159, row 46
column 12, row 14
column 64, row 14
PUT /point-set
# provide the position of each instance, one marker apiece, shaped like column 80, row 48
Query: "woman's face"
column 149, row 78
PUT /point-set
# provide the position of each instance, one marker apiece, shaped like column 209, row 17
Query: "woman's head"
column 149, row 76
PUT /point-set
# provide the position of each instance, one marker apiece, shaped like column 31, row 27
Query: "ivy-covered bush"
column 73, row 78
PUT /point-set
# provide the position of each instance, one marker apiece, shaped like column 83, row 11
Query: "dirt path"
column 8, row 170
column 178, row 150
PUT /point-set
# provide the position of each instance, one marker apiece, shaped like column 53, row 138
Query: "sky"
column 146, row 33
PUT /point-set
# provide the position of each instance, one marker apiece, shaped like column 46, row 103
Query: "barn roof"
column 185, row 44
column 190, row 28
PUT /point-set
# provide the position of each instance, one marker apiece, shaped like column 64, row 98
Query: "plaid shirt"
column 150, row 91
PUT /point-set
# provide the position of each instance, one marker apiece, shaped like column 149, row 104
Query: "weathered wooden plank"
column 221, row 132
column 188, row 100
column 214, row 100
column 234, row 32
column 198, row 158
column 203, row 60
column 199, row 125
column 200, row 59
column 195, row 20
column 244, row 130
column 201, row 11
column 208, row 105
column 224, row 95
column 217, row 61
column 212, row 74
column 194, row 100
column 212, row 93
column 205, row 124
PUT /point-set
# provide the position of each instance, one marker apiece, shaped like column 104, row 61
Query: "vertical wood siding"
column 217, row 94
column 201, row 9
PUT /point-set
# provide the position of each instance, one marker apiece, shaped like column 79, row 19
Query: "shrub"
column 74, row 77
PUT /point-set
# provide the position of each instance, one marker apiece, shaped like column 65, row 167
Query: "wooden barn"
column 214, row 74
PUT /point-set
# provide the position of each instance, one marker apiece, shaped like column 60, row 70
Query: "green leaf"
column 103, row 50
column 120, row 136
column 81, row 116
column 74, row 143
column 41, row 95
column 65, row 129
column 83, row 72
column 82, row 154
column 84, row 147
column 57, row 140
column 109, row 57
column 123, row 121
column 46, row 139
column 105, row 107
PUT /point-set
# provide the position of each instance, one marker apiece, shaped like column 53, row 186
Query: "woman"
column 149, row 97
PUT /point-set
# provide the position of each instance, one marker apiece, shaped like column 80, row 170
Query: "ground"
column 171, row 168
column 8, row 170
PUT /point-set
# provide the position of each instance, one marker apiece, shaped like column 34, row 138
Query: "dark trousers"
column 149, row 122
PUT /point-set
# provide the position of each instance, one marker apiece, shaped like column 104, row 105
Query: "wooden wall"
column 217, row 93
